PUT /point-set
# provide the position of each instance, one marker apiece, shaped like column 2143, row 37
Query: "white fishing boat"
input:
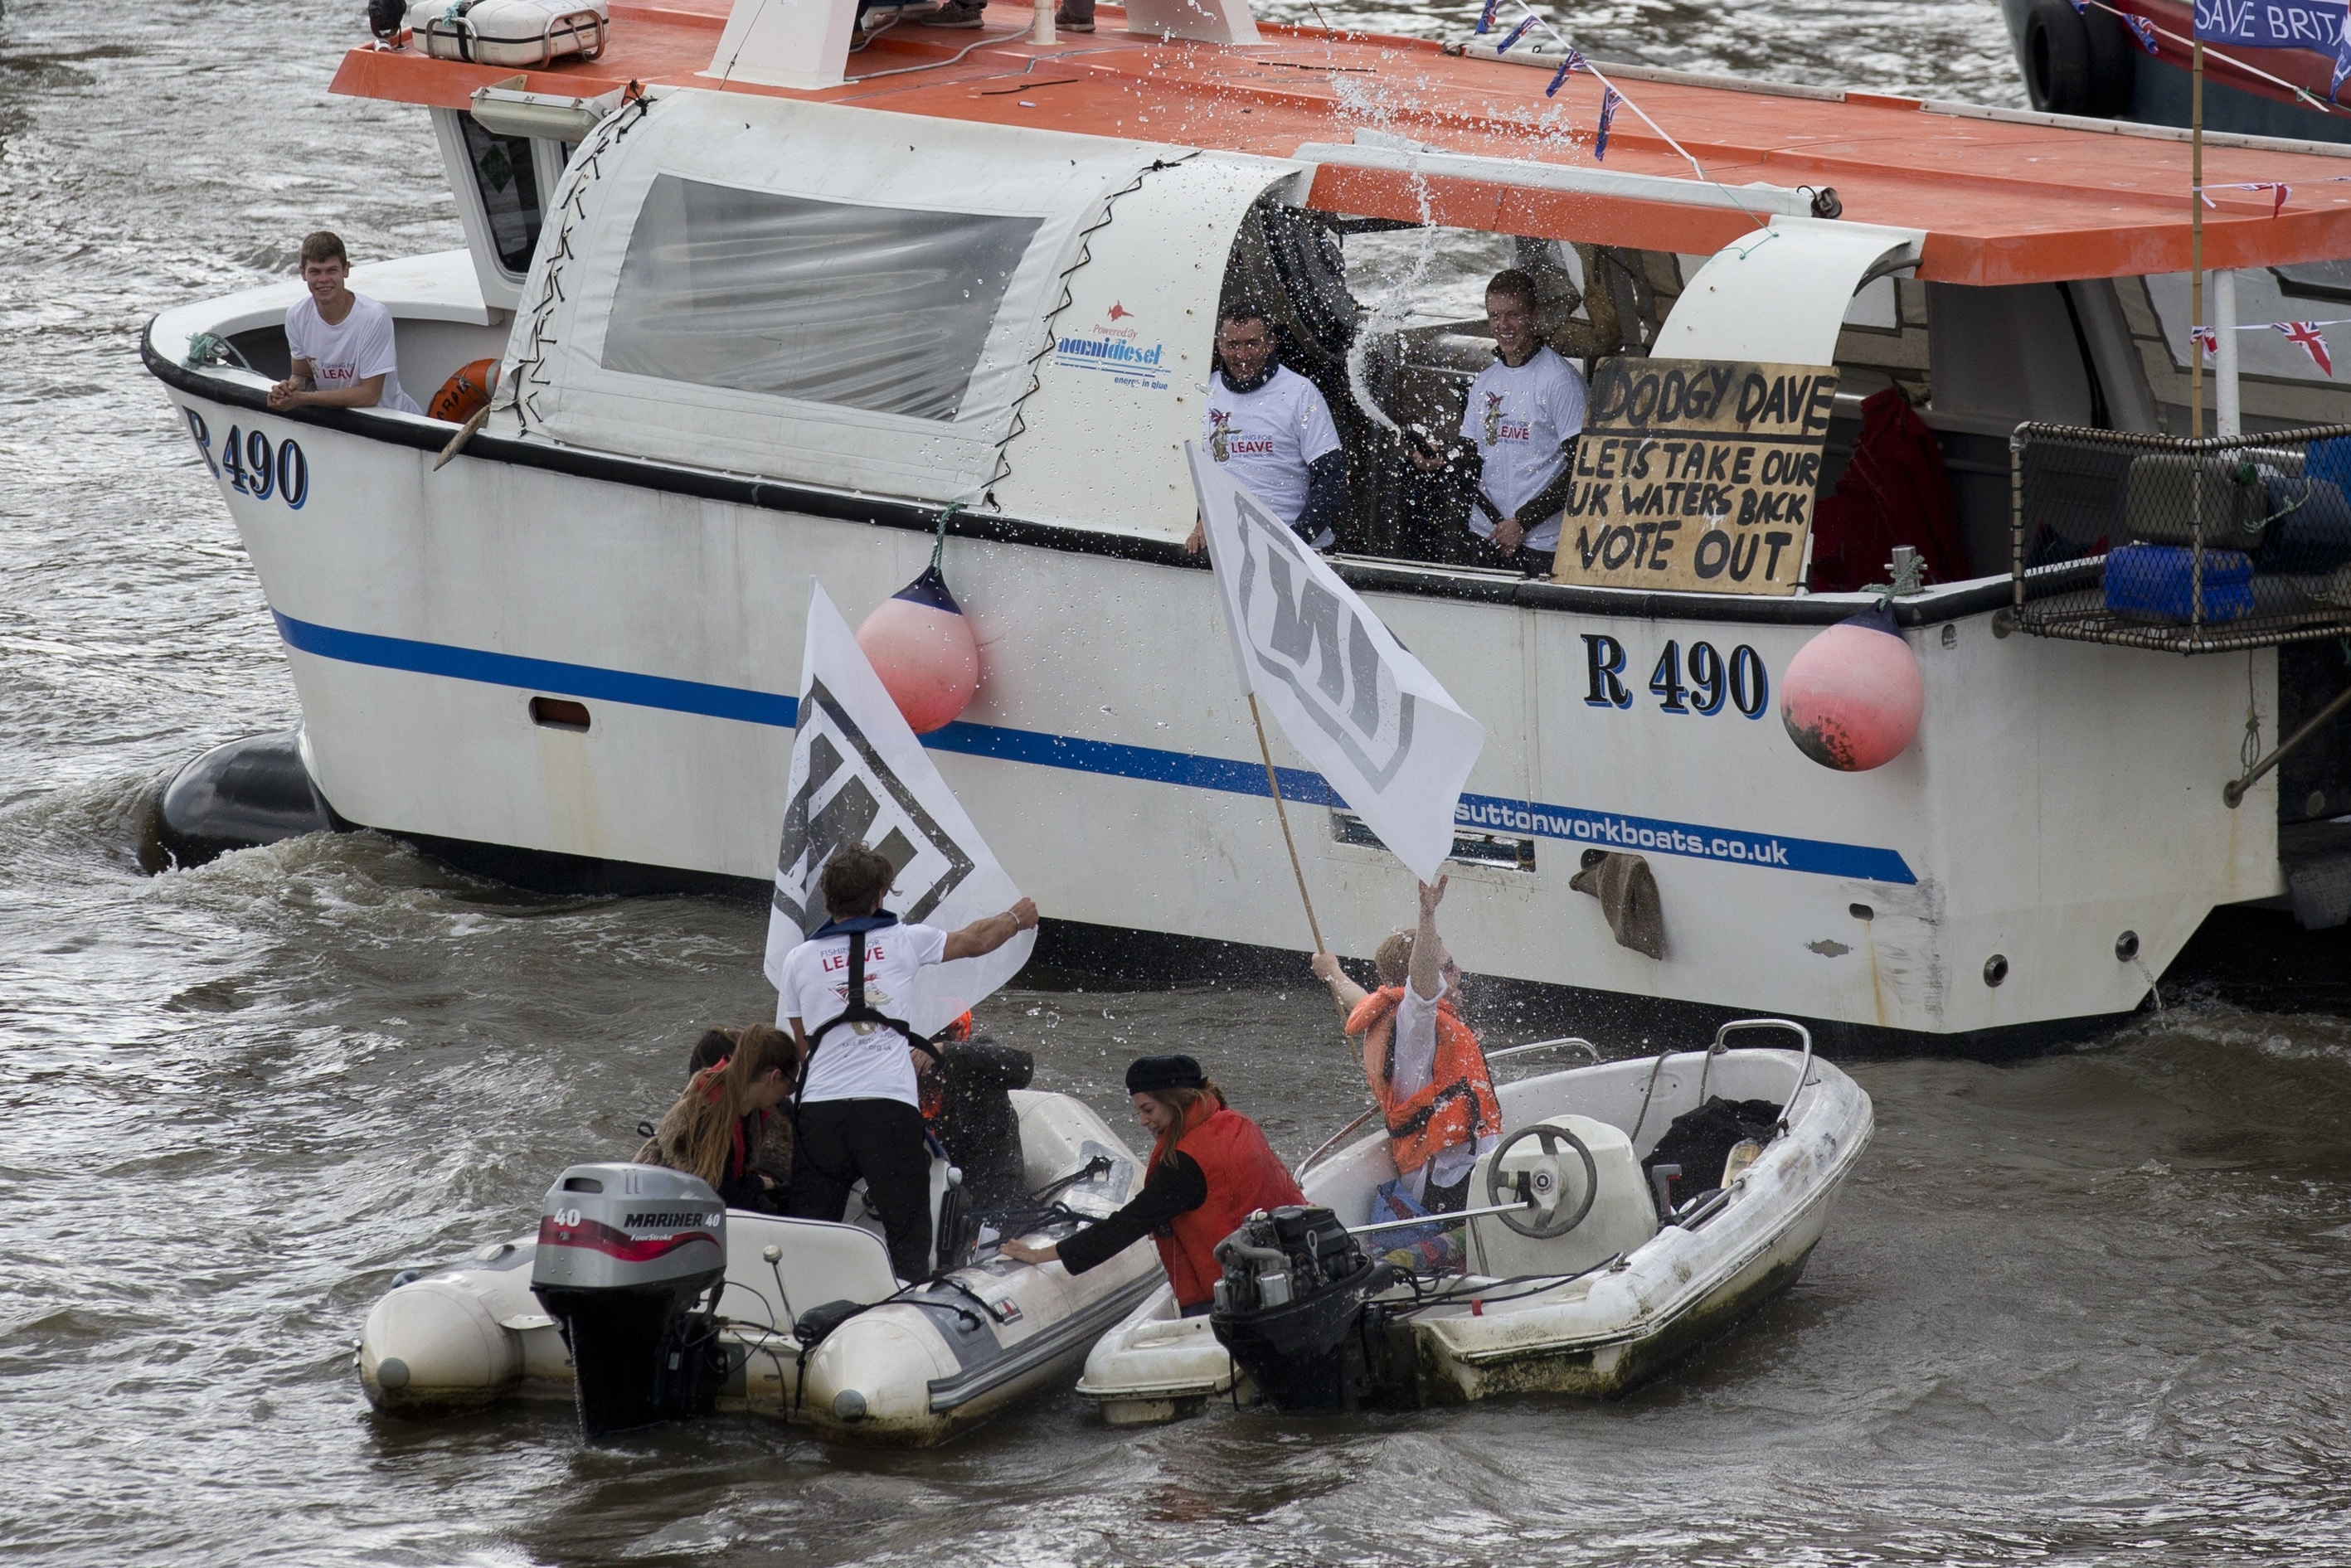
column 1581, row 1275
column 737, row 350
column 797, row 1319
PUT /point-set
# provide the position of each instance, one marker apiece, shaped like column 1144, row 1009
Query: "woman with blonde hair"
column 718, row 1127
column 1210, row 1168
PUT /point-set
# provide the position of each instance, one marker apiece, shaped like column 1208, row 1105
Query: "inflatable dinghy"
column 1587, row 1262
column 641, row 1298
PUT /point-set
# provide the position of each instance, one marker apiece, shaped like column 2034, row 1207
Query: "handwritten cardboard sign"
column 1697, row 475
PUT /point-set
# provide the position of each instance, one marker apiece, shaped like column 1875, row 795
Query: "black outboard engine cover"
column 1294, row 1309
column 626, row 1255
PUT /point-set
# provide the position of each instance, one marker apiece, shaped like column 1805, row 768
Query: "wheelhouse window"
column 881, row 309
column 509, row 183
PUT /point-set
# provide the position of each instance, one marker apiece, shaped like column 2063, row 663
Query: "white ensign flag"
column 1364, row 711
column 859, row 775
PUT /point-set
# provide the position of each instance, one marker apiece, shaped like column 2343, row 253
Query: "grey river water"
column 2086, row 1309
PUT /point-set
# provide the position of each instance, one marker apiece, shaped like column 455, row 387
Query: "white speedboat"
column 1573, row 1280
column 568, row 655
column 807, row 1322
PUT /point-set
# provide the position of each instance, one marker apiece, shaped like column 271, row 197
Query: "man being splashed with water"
column 1524, row 413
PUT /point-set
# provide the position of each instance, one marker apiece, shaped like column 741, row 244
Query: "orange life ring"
column 465, row 392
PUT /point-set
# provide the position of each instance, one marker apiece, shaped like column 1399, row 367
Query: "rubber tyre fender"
column 2075, row 63
column 2114, row 62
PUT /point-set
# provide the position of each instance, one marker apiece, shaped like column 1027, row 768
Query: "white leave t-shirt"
column 1266, row 438
column 860, row 1060
column 349, row 351
column 1518, row 418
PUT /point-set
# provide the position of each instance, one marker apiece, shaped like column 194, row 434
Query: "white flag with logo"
column 859, row 776
column 1364, row 711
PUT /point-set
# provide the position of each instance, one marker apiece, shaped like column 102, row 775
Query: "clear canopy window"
column 883, row 308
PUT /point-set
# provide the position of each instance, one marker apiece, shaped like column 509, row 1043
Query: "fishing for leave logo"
column 1225, row 443
column 850, row 796
column 1498, row 429
column 860, row 776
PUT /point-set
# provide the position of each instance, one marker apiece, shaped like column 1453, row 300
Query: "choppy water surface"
column 2089, row 1309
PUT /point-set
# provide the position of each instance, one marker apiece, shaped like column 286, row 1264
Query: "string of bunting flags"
column 1572, row 61
column 2305, row 335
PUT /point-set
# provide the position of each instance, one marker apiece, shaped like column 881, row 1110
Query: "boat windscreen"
column 874, row 307
column 508, row 184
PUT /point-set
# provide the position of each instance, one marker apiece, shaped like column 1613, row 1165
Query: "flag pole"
column 1275, row 785
column 2196, row 238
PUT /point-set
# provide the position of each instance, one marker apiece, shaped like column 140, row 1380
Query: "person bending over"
column 1268, row 428
column 859, row 1112
column 774, row 1149
column 1524, row 413
column 1426, row 1070
column 719, row 1126
column 1210, row 1168
column 342, row 342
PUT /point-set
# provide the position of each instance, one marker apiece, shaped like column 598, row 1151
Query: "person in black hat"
column 1210, row 1169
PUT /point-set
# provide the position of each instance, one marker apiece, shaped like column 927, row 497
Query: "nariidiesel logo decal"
column 1117, row 351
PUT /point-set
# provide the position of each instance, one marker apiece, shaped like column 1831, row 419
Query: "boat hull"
column 1111, row 761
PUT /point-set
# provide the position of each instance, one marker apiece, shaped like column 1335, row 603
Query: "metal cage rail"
column 2180, row 546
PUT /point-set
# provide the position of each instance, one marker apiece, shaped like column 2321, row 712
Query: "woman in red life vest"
column 1210, row 1169
column 1425, row 1066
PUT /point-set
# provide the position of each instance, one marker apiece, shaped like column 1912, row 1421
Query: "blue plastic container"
column 2158, row 582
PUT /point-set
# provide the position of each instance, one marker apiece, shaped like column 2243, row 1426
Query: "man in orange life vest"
column 1424, row 1065
column 1210, row 1169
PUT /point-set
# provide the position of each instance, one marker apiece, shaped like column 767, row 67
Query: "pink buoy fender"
column 1852, row 696
column 920, row 642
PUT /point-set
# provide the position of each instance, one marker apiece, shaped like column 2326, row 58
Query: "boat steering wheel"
column 1546, row 1183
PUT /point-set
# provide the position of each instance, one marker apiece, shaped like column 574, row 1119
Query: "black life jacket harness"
column 859, row 1009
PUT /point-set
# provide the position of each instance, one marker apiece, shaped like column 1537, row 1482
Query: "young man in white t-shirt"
column 860, row 1114
column 1523, row 417
column 342, row 342
column 1268, row 428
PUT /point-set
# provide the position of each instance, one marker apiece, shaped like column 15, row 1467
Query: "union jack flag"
column 1521, row 31
column 2206, row 338
column 2313, row 341
column 1486, row 16
column 2342, row 62
column 1609, row 99
column 1574, row 63
column 2144, row 30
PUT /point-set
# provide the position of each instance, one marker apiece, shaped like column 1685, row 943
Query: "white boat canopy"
column 842, row 297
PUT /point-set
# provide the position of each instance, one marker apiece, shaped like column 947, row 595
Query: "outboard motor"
column 626, row 1255
column 1294, row 1309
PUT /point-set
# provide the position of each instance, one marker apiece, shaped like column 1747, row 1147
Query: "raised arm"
column 986, row 936
column 1427, row 953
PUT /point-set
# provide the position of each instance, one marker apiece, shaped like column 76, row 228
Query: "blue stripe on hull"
column 1486, row 812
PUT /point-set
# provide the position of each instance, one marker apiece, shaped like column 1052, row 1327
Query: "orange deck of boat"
column 2002, row 201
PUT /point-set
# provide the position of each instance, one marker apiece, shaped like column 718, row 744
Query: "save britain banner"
column 1697, row 475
